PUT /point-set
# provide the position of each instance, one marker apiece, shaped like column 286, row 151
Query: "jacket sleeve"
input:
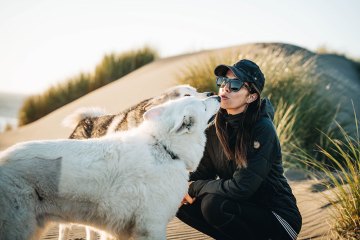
column 245, row 181
column 205, row 170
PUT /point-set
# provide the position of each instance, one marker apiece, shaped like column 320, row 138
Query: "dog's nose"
column 209, row 94
column 218, row 98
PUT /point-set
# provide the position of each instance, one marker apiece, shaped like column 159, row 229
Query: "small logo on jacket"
column 256, row 145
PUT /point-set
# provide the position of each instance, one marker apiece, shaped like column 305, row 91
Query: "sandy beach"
column 146, row 82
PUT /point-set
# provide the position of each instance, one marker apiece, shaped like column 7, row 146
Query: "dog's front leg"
column 90, row 234
column 64, row 230
column 153, row 232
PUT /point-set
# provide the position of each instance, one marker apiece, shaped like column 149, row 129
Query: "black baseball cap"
column 245, row 70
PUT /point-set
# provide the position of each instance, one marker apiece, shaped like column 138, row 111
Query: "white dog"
column 95, row 122
column 129, row 184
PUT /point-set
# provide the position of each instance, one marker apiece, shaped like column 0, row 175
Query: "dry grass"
column 342, row 171
column 112, row 67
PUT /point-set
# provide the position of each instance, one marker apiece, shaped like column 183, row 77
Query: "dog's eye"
column 189, row 123
column 187, row 95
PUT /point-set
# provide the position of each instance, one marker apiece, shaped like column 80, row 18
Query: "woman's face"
column 235, row 102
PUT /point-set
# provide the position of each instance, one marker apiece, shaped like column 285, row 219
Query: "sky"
column 43, row 42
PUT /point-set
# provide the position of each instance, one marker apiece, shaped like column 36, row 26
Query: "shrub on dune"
column 342, row 173
column 112, row 67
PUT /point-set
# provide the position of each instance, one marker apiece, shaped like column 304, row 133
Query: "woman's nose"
column 227, row 88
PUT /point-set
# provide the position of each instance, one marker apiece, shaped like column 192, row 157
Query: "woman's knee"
column 217, row 210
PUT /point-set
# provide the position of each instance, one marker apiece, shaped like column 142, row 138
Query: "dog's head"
column 177, row 92
column 187, row 90
column 179, row 125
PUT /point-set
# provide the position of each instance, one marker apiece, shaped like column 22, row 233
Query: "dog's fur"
column 127, row 183
column 93, row 122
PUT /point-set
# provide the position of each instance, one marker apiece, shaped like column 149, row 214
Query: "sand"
column 149, row 81
column 312, row 205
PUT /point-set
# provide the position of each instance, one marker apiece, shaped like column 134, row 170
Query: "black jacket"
column 261, row 182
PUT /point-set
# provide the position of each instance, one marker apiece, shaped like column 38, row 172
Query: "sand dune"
column 154, row 78
column 143, row 83
column 338, row 74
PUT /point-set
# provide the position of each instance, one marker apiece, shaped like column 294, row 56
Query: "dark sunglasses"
column 234, row 84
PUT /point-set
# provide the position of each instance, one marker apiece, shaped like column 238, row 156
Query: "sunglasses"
column 234, row 84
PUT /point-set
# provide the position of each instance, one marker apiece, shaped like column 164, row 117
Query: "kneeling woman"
column 239, row 190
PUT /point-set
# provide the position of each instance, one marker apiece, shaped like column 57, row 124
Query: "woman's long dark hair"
column 243, row 138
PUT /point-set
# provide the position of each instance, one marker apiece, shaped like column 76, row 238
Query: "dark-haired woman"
column 239, row 190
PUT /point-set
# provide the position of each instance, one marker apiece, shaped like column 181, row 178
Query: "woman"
column 239, row 190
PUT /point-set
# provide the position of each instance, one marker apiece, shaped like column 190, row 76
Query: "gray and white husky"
column 106, row 182
column 94, row 122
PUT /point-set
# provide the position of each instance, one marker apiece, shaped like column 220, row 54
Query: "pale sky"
column 43, row 42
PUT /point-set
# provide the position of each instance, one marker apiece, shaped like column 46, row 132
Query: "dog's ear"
column 153, row 113
column 184, row 125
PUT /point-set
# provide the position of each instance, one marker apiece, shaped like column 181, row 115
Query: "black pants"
column 221, row 218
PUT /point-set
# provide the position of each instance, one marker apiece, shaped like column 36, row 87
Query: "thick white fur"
column 126, row 184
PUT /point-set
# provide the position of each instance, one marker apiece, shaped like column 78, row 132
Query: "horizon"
column 47, row 42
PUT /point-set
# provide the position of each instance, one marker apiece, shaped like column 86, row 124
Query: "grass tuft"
column 112, row 67
column 342, row 171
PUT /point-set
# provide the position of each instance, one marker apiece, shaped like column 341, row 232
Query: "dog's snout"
column 218, row 98
column 209, row 94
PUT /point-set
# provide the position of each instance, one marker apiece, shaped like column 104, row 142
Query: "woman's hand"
column 187, row 199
